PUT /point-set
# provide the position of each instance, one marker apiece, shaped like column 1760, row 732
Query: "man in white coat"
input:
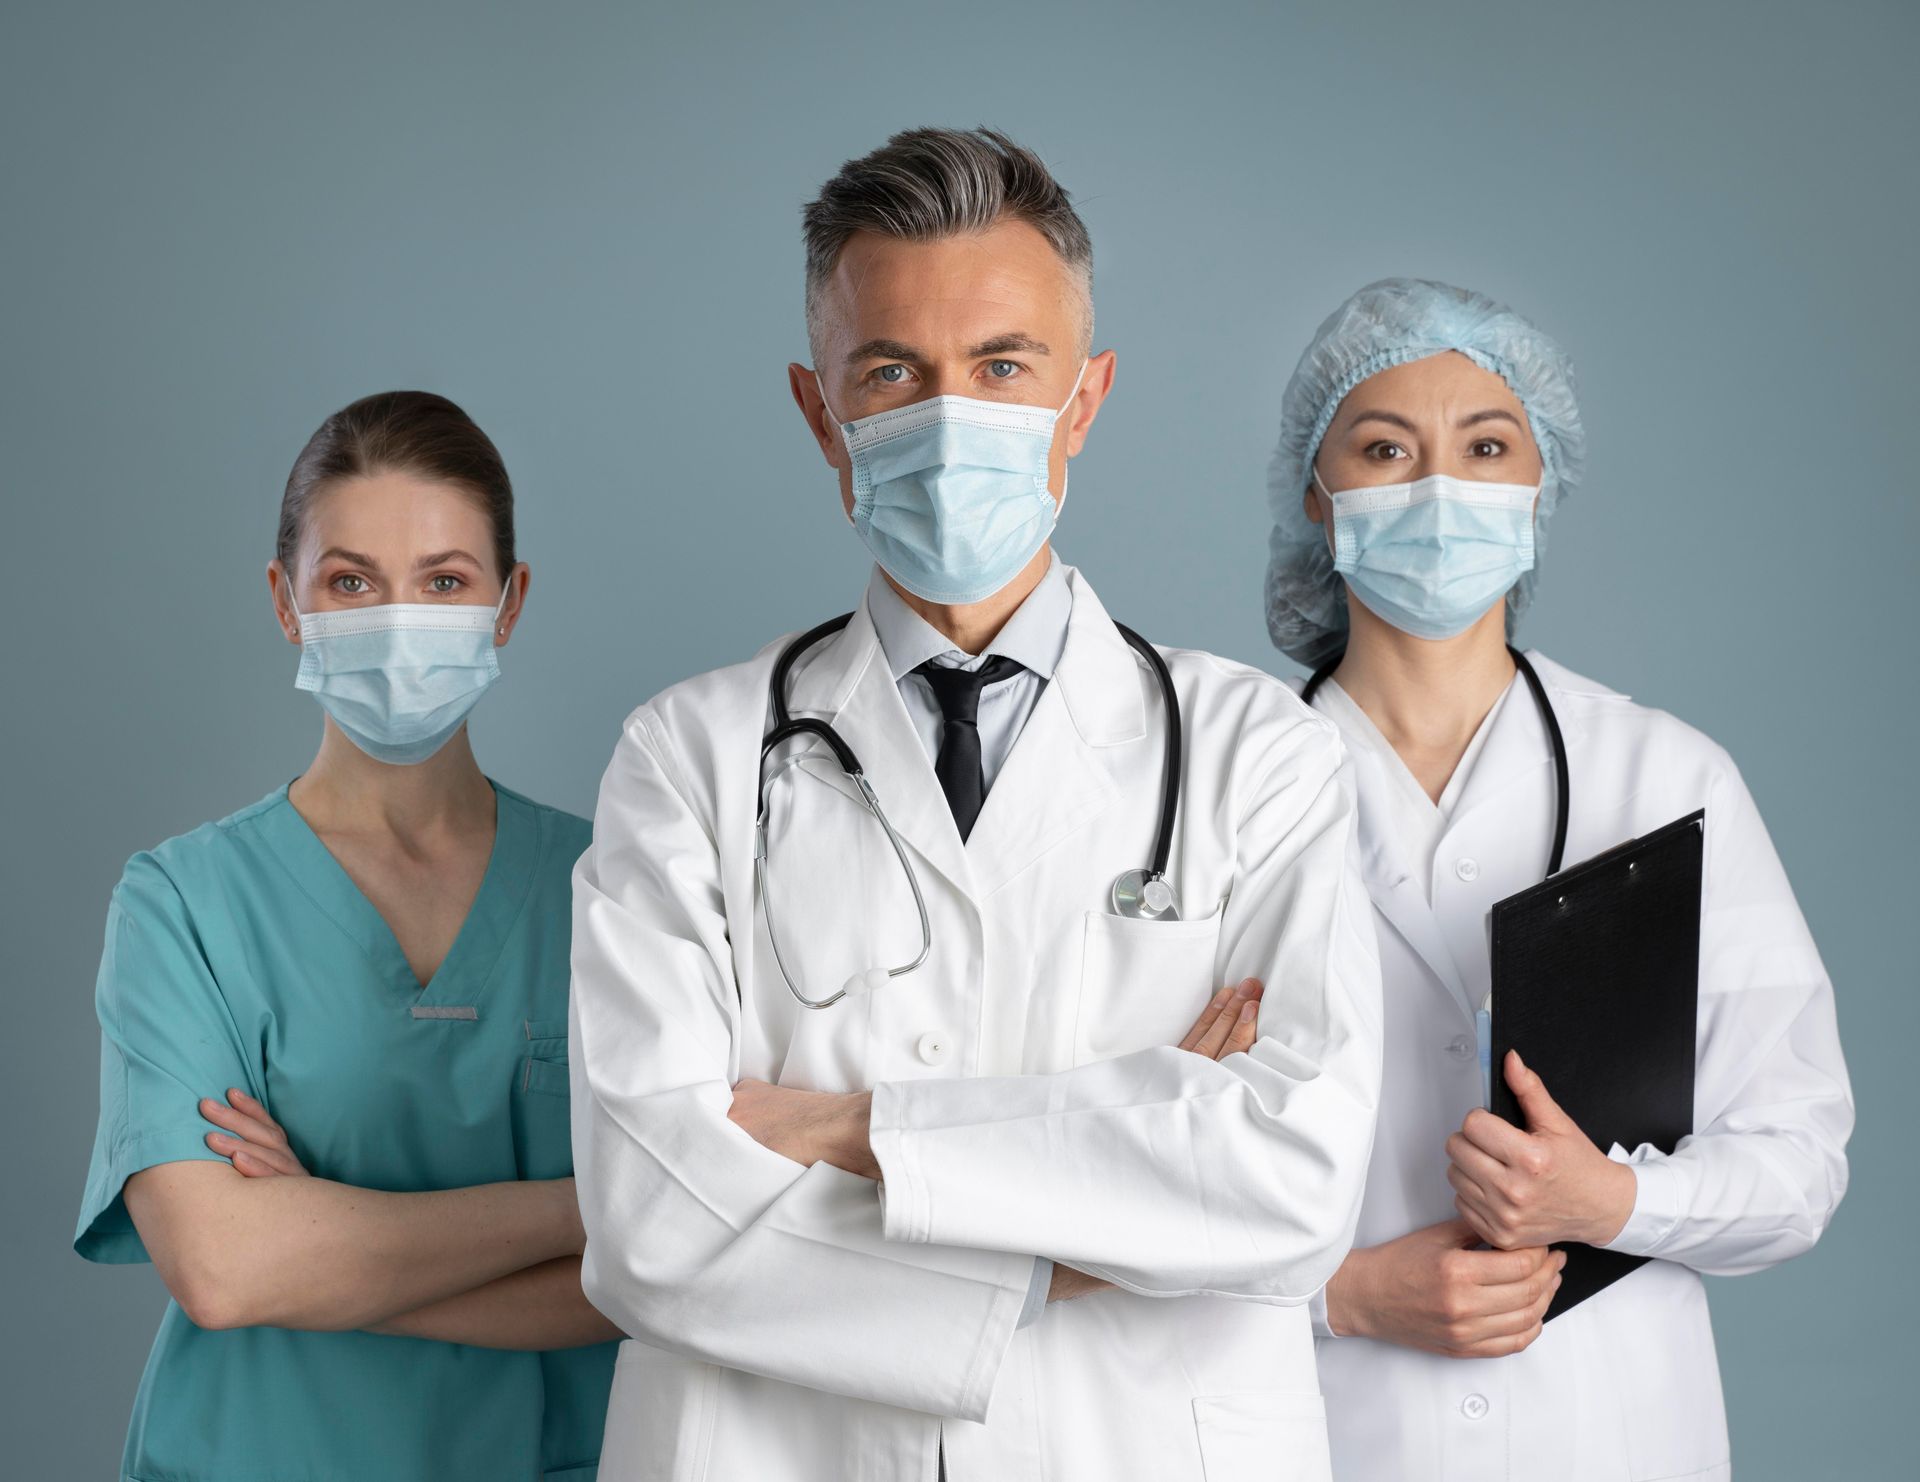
column 833, row 1233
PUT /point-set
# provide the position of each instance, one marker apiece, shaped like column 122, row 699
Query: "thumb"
column 1542, row 1111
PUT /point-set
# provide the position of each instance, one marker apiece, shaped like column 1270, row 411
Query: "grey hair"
column 925, row 184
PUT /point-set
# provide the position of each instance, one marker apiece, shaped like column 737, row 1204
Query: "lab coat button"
column 1474, row 1407
column 932, row 1047
column 1460, row 1047
column 1467, row 869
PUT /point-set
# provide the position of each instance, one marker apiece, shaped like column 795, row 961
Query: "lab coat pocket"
column 659, row 1417
column 1142, row 983
column 1273, row 1435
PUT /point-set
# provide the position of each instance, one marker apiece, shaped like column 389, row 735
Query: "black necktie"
column 958, row 764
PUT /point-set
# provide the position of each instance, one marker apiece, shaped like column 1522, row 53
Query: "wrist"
column 853, row 1142
column 1618, row 1191
column 569, row 1233
column 1345, row 1310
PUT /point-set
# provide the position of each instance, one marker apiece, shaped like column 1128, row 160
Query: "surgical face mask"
column 1432, row 556
column 950, row 494
column 399, row 679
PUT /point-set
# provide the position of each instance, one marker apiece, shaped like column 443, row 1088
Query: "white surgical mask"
column 399, row 679
column 1433, row 555
column 950, row 494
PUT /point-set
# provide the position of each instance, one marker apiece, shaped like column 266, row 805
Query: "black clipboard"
column 1596, row 981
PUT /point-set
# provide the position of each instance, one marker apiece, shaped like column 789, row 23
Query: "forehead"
column 398, row 515
column 1442, row 383
column 954, row 289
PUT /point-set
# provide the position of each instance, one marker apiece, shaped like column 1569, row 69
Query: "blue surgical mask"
column 950, row 494
column 399, row 679
column 1432, row 556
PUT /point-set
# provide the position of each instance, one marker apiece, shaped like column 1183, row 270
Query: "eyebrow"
column 352, row 558
column 1492, row 414
column 442, row 558
column 1013, row 342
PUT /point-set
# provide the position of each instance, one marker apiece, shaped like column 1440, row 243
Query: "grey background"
column 221, row 222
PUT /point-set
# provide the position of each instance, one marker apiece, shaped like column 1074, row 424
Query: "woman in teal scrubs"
column 333, row 1088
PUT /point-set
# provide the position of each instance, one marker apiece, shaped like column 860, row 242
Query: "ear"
column 805, row 385
column 1095, row 383
column 280, row 586
column 518, row 580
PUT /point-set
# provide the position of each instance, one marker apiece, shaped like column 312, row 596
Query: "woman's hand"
column 1229, row 1023
column 253, row 1142
column 1431, row 1290
column 1542, row 1186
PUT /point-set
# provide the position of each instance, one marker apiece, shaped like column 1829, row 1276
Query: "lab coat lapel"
column 1062, row 769
column 1396, row 890
column 850, row 685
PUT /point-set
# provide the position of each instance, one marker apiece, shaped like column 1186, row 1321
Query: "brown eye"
column 1386, row 452
column 1488, row 447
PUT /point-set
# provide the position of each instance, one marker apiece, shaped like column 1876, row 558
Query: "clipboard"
column 1596, row 981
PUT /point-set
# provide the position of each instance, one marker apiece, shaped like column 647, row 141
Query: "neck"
column 1425, row 695
column 347, row 791
column 972, row 626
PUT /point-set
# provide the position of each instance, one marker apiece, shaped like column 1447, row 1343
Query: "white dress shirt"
column 1034, row 637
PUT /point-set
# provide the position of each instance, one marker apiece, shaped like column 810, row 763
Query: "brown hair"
column 413, row 432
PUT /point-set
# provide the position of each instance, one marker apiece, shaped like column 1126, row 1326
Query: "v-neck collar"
column 466, row 970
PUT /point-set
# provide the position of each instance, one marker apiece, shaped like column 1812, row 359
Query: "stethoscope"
column 1562, row 790
column 1143, row 894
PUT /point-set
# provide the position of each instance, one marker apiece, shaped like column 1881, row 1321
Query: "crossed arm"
column 255, row 1241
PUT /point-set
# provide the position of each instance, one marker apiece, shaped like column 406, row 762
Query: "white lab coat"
column 1626, row 1385
column 794, row 1323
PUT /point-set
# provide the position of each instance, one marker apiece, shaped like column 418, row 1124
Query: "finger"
column 241, row 1154
column 1240, row 1039
column 241, row 1125
column 1503, row 1267
column 1222, row 1025
column 241, row 1100
column 1498, row 1138
column 1503, row 1347
column 1516, row 1303
column 1470, row 1160
column 253, row 1165
column 1542, row 1111
column 1207, row 1016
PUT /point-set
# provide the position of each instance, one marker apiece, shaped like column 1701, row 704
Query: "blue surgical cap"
column 1386, row 324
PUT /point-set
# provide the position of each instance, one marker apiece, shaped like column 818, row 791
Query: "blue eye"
column 893, row 375
column 1002, row 370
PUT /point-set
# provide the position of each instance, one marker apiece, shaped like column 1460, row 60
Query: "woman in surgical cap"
column 333, row 1069
column 1427, row 436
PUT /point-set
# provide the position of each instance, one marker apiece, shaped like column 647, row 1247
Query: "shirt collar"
column 1034, row 637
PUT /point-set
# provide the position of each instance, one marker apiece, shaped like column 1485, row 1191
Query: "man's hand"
column 808, row 1126
column 1229, row 1023
column 1431, row 1290
column 1539, row 1187
column 253, row 1142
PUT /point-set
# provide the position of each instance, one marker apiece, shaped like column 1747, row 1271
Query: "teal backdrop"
column 221, row 221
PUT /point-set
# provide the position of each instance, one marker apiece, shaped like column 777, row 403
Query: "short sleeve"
column 167, row 1038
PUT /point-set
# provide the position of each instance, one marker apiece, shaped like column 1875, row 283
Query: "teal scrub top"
column 241, row 954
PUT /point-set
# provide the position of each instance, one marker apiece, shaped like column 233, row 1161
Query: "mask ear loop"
column 500, row 628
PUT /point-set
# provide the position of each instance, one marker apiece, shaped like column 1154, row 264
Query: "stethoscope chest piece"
column 1144, row 895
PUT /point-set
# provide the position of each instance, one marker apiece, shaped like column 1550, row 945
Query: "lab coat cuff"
column 1037, row 1290
column 1658, row 1200
column 1317, row 1312
column 906, row 1211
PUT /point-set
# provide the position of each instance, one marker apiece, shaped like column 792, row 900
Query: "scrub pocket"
column 1142, row 983
column 1272, row 1435
column 542, row 1129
